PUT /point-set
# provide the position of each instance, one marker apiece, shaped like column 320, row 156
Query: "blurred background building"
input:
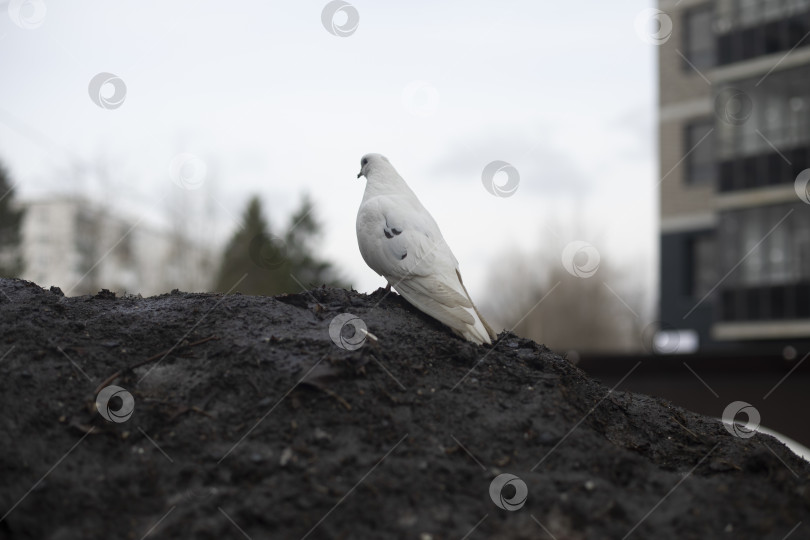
column 82, row 247
column 734, row 134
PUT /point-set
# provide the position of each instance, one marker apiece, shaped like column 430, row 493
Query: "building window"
column 702, row 261
column 699, row 38
column 763, row 129
column 763, row 252
column 700, row 160
column 751, row 28
column 768, row 265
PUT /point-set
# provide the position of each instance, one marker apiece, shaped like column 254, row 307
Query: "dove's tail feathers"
column 432, row 297
column 485, row 331
column 447, row 305
column 478, row 332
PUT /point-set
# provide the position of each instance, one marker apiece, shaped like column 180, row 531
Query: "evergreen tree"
column 274, row 264
column 10, row 225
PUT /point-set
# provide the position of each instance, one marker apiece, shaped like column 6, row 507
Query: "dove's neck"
column 386, row 183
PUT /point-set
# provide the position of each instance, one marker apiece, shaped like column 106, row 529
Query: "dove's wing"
column 399, row 240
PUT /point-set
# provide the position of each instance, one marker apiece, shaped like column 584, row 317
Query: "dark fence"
column 778, row 388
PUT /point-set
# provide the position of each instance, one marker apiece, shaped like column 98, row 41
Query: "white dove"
column 400, row 240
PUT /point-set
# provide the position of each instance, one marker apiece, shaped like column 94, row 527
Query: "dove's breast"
column 370, row 223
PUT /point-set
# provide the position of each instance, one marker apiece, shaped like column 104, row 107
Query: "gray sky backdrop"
column 274, row 104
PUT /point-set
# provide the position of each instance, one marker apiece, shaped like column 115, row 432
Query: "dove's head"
column 371, row 162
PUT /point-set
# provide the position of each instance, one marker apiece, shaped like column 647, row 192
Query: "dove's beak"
column 359, row 174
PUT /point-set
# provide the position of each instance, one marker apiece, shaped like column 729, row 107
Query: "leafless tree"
column 569, row 297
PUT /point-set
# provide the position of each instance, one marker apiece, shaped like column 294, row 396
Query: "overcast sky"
column 275, row 104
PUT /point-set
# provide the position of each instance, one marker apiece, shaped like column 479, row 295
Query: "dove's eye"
column 364, row 162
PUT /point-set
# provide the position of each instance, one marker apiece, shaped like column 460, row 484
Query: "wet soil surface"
column 250, row 422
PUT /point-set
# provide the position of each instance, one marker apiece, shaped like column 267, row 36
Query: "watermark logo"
column 188, row 171
column 348, row 331
column 733, row 106
column 115, row 404
column 505, row 188
column 653, row 26
column 802, row 185
column 743, row 431
column 658, row 338
column 331, row 14
column 107, row 90
column 420, row 98
column 268, row 251
column 508, row 501
column 27, row 14
column 580, row 259
column 200, row 493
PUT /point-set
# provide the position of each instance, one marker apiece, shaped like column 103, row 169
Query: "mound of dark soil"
column 249, row 421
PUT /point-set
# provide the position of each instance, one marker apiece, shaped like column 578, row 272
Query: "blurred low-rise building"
column 82, row 247
column 734, row 133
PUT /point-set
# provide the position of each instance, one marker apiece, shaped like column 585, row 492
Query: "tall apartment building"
column 734, row 80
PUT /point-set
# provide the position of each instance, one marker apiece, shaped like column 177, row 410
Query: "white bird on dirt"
column 400, row 240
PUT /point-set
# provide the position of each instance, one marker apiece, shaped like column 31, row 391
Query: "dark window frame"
column 703, row 174
column 778, row 288
column 779, row 118
column 704, row 57
column 700, row 264
column 740, row 40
